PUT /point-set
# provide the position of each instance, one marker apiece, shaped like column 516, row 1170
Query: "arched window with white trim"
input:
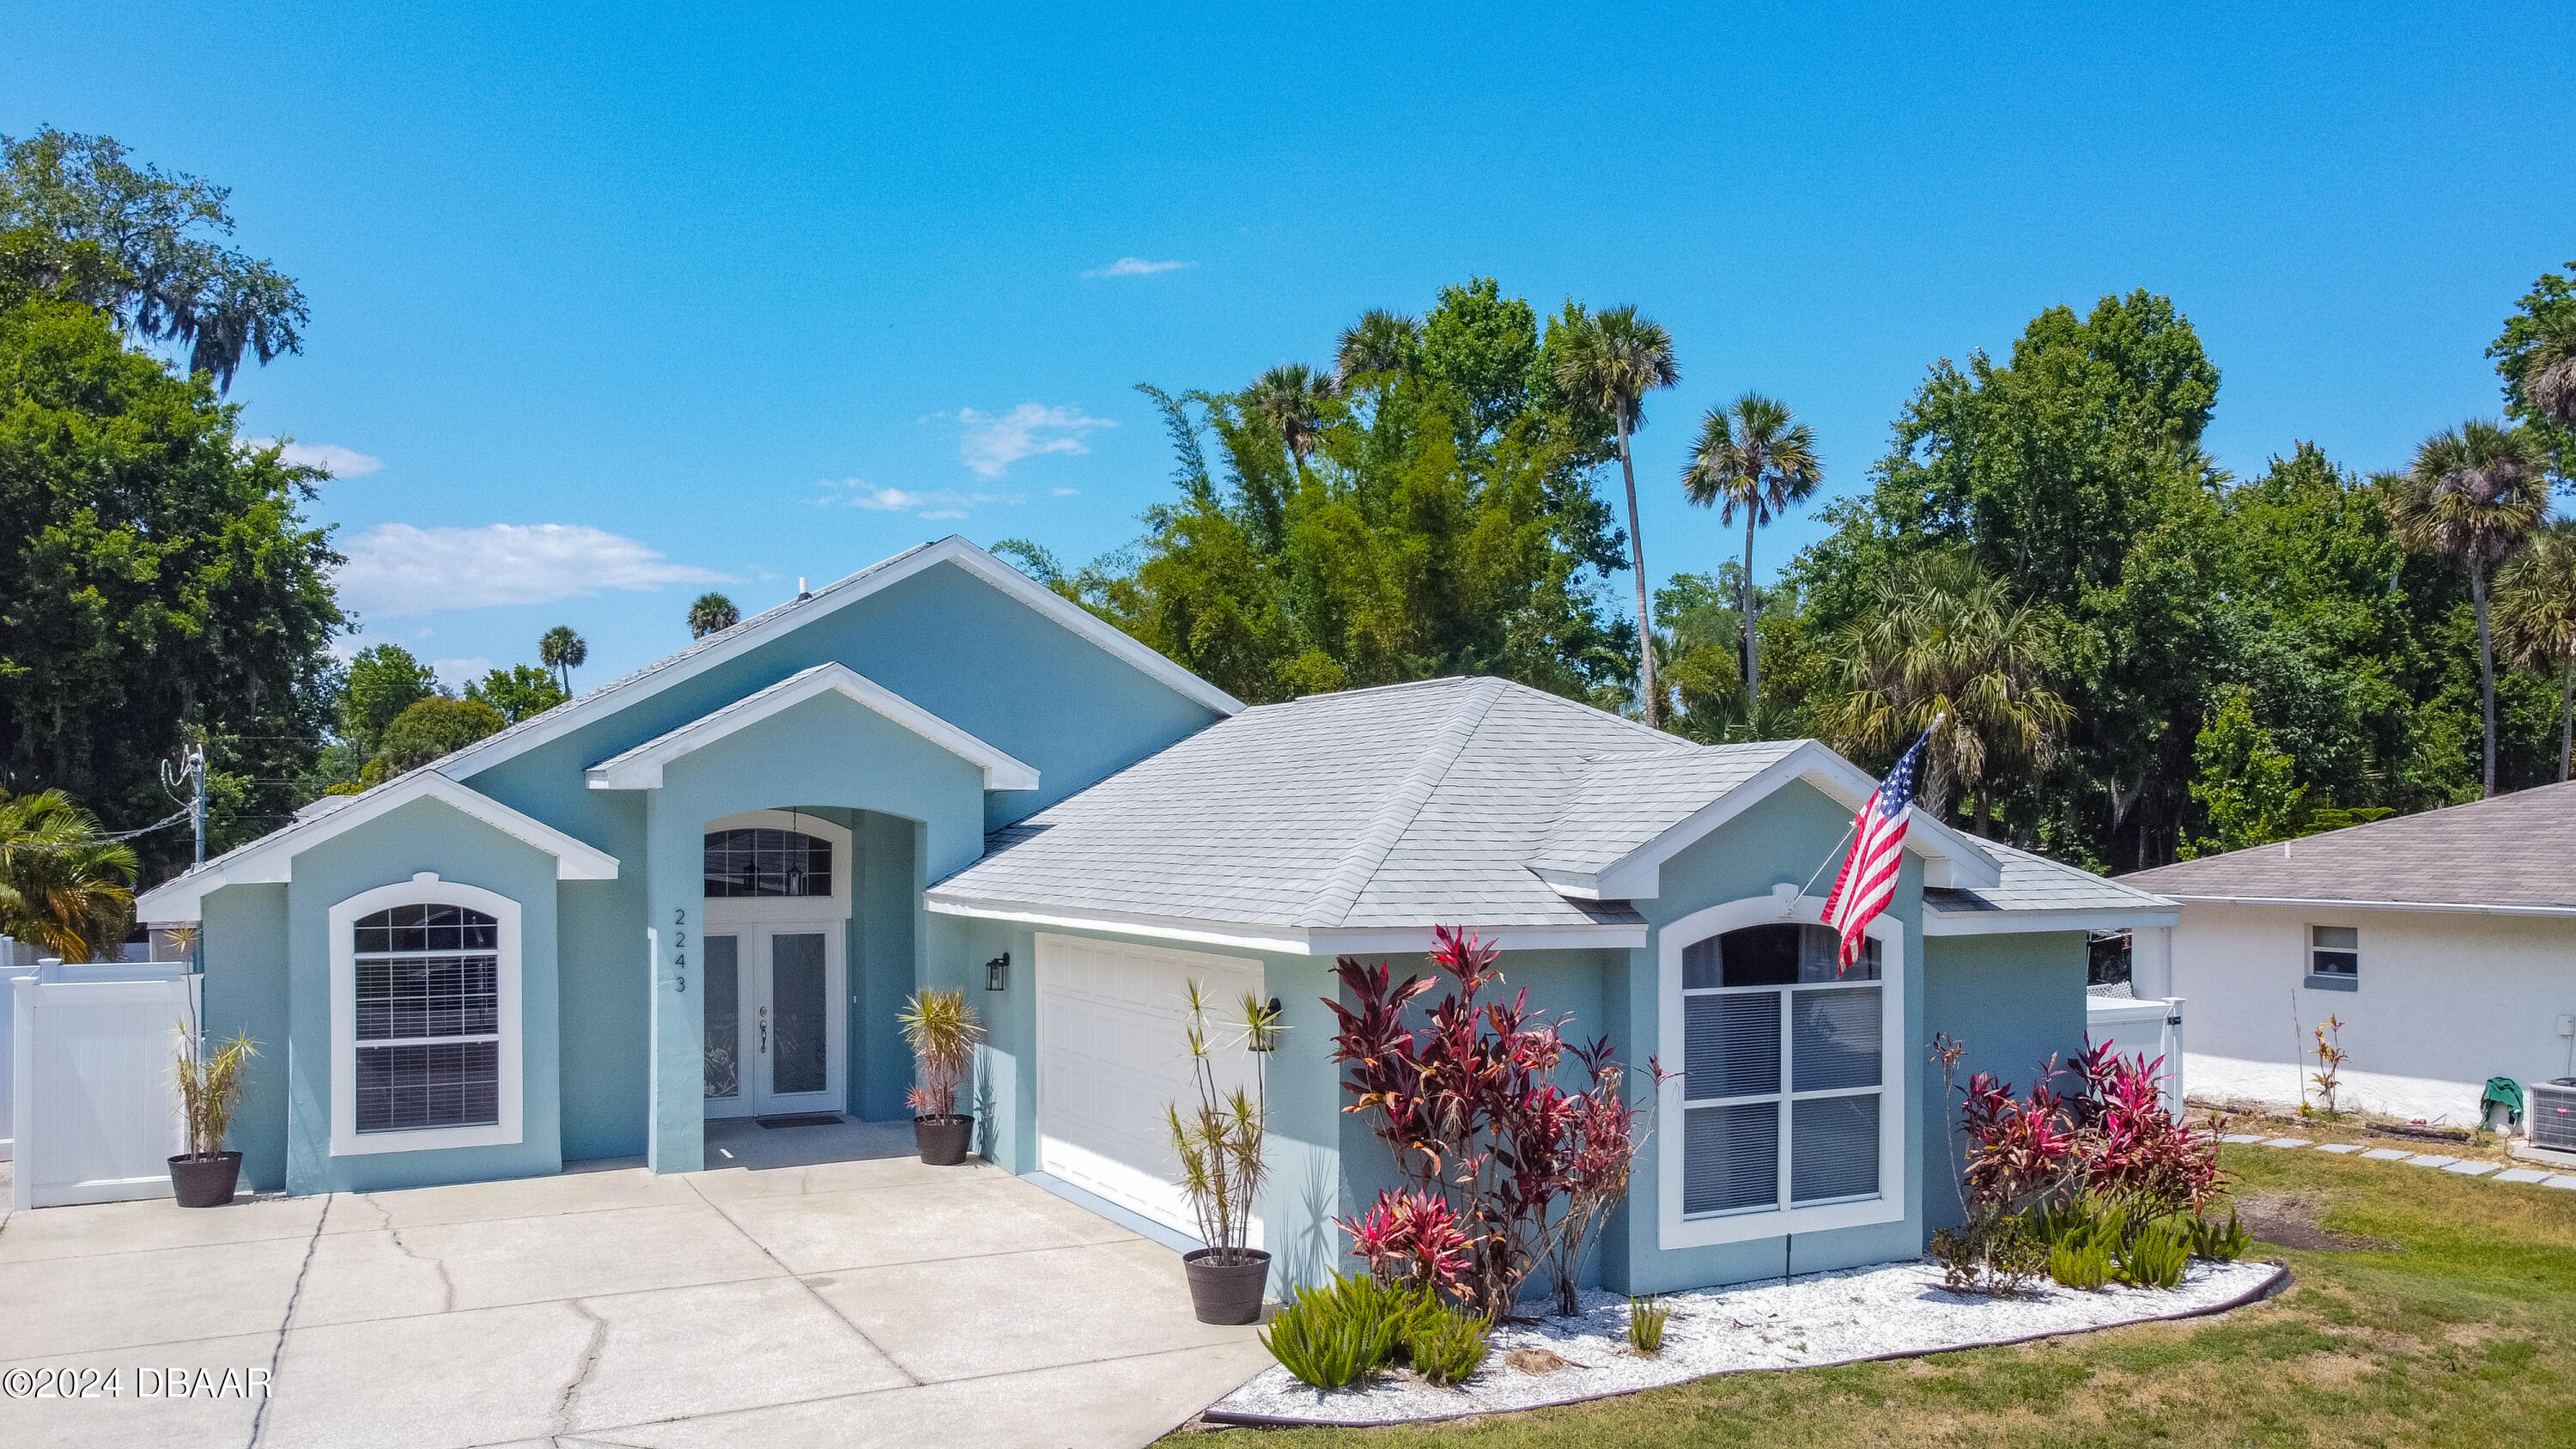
column 425, row 1018
column 1788, row 1112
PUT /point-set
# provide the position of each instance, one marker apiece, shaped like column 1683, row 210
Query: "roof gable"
column 772, row 624
column 641, row 767
column 270, row 859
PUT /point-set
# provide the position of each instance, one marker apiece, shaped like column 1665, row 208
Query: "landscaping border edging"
column 2272, row 1284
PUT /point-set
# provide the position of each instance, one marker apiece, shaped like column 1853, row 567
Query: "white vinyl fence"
column 2149, row 1025
column 92, row 1102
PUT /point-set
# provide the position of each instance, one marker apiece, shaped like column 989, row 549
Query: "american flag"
column 1868, row 879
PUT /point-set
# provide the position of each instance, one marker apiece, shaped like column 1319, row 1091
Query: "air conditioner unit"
column 2551, row 1117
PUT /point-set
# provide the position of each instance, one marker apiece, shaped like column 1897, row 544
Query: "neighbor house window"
column 761, row 862
column 1784, row 1071
column 425, row 1018
column 2334, row 956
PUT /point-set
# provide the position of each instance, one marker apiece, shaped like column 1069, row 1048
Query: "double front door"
column 774, row 1021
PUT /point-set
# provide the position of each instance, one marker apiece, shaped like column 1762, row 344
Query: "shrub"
column 1469, row 1105
column 1646, row 1320
column 2219, row 1244
column 2156, row 1254
column 2108, row 1133
column 2084, row 1236
column 1989, row 1254
column 1412, row 1238
column 1341, row 1333
column 942, row 1031
column 1446, row 1344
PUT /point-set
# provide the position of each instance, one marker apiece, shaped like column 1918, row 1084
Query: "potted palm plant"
column 942, row 1031
column 1220, row 1144
column 210, row 1087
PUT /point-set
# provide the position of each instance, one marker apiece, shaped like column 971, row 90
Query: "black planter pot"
column 1227, row 1292
column 943, row 1140
column 205, row 1181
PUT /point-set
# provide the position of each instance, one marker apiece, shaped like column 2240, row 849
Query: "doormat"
column 801, row 1119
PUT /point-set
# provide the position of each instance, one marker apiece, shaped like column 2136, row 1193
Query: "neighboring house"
column 2445, row 942
column 705, row 889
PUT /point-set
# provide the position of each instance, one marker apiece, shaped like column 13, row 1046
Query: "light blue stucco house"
column 704, row 890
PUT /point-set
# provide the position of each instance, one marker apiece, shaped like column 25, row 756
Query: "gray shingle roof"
column 2036, row 883
column 1408, row 805
column 2516, row 850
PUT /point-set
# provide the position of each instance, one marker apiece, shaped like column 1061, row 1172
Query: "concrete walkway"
column 821, row 1287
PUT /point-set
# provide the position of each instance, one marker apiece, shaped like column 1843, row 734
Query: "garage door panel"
column 1113, row 1056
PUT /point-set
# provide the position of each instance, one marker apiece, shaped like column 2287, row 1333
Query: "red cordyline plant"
column 1412, row 1240
column 2109, row 1133
column 1469, row 1105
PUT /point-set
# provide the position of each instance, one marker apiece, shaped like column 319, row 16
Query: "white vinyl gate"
column 93, row 1102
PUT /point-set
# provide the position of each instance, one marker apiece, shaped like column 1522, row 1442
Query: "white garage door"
column 1113, row 1058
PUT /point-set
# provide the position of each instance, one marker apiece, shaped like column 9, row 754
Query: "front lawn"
column 2448, row 1318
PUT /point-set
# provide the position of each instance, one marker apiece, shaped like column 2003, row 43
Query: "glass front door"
column 773, row 1039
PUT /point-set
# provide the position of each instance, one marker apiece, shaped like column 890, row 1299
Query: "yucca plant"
column 1446, row 1344
column 2156, row 1254
column 210, row 1087
column 1343, row 1332
column 1221, row 1138
column 1646, row 1319
column 2220, row 1244
column 942, row 1031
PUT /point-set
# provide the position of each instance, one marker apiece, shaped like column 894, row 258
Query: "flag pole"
column 1855, row 825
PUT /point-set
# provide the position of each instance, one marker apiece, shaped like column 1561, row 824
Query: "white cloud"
column 1136, row 267
column 342, row 462
column 395, row 568
column 461, row 672
column 937, row 503
column 1064, row 492
column 993, row 443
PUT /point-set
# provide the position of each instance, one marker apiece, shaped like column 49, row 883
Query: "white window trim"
column 1747, row 1225
column 423, row 889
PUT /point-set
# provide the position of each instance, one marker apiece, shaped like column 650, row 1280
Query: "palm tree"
column 2475, row 493
column 1381, row 341
column 2536, row 618
column 1751, row 456
column 712, row 614
column 1292, row 397
column 2549, row 374
column 63, row 885
column 1943, row 647
column 1611, row 360
column 562, row 651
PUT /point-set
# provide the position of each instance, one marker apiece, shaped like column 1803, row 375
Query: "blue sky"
column 612, row 305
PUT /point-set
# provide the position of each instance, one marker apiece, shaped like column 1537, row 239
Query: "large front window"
column 1784, row 1071
column 426, row 978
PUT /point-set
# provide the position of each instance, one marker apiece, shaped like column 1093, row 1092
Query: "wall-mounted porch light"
column 1266, row 1037
column 997, row 973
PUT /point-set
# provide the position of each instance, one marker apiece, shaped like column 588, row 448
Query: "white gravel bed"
column 1896, row 1310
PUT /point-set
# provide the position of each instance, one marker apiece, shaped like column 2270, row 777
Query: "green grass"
column 2463, row 1335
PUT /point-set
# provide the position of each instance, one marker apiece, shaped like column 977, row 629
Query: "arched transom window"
column 427, row 985
column 762, row 862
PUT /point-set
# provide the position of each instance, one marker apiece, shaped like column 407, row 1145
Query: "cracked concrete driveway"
column 865, row 1300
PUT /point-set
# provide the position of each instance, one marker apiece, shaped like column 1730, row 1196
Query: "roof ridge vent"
column 1358, row 865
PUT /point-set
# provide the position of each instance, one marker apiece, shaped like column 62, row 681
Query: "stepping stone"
column 2240, row 1137
column 2338, row 1148
column 2562, row 1180
column 2519, row 1174
column 2469, row 1169
column 2285, row 1142
column 2385, row 1154
column 2430, row 1160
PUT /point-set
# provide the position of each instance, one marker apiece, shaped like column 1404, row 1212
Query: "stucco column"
column 675, row 898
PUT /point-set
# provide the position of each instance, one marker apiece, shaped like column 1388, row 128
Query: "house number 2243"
column 680, row 950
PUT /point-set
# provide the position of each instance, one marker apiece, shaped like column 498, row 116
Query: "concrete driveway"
column 821, row 1288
